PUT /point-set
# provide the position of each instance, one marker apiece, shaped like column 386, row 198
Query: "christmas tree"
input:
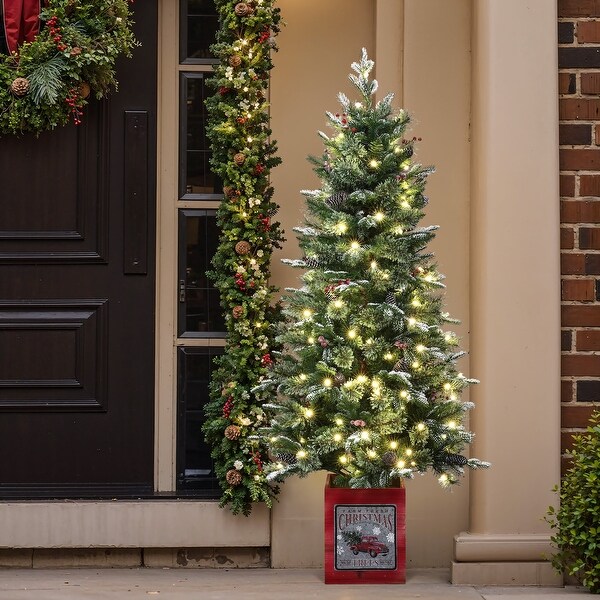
column 367, row 382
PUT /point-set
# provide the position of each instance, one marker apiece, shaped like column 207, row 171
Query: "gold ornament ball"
column 233, row 477
column 242, row 9
column 235, row 61
column 239, row 159
column 20, row 86
column 242, row 248
column 232, row 432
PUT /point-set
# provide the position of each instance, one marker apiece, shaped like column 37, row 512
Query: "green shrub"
column 577, row 521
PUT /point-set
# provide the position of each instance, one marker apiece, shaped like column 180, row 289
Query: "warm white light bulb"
column 306, row 313
column 403, row 394
column 311, row 340
column 416, row 302
column 327, row 382
column 388, row 356
column 301, row 454
column 415, row 364
column 374, row 163
column 352, row 333
column 378, row 216
column 302, row 377
column 400, row 464
column 408, row 452
column 354, row 245
column 341, row 227
column 393, row 445
column 338, row 304
column 443, row 478
column 343, row 459
column 451, row 424
column 339, row 422
column 364, row 435
column 361, row 379
column 337, row 437
column 420, row 348
column 421, row 427
column 358, row 105
column 448, row 337
column 371, row 453
column 373, row 265
column 447, row 387
column 412, row 321
column 309, row 413
column 405, row 204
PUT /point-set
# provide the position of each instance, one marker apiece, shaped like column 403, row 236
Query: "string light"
column 301, row 454
column 448, row 337
column 369, row 342
column 306, row 313
column 311, row 340
column 302, row 376
column 354, row 245
column 352, row 334
column 399, row 231
column 408, row 452
column 378, row 216
column 338, row 304
column 358, row 105
column 393, row 445
column 362, row 379
column 451, row 424
column 364, row 435
column 327, row 382
column 453, row 397
column 341, row 227
column 373, row 265
column 447, row 387
column 412, row 321
column 388, row 356
column 416, row 302
column 405, row 204
column 420, row 426
column 443, row 478
column 339, row 422
column 309, row 413
column 374, row 164
column 420, row 348
column 337, row 437
column 371, row 453
column 403, row 394
column 401, row 464
column 343, row 459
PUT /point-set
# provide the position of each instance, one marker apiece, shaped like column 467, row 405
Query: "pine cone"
column 311, row 262
column 232, row 432
column 455, row 460
column 230, row 192
column 337, row 200
column 339, row 379
column 389, row 459
column 84, row 89
column 76, row 51
column 235, row 61
column 242, row 9
column 237, row 311
column 286, row 457
column 233, row 477
column 239, row 159
column 243, row 248
column 20, row 86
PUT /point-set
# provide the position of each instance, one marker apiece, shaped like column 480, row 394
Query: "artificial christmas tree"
column 367, row 381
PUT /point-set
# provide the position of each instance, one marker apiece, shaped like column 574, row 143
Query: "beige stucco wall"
column 430, row 76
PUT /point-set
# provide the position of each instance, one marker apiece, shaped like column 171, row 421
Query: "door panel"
column 77, row 289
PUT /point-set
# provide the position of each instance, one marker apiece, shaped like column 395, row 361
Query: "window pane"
column 195, row 469
column 196, row 178
column 200, row 312
column 199, row 27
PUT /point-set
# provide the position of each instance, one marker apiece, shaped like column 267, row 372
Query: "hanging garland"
column 243, row 156
column 50, row 72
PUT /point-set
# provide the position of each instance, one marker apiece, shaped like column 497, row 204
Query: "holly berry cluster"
column 73, row 99
column 228, row 407
column 55, row 33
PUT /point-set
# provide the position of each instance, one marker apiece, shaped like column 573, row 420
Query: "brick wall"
column 579, row 90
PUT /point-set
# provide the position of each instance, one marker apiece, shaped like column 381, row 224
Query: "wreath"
column 58, row 58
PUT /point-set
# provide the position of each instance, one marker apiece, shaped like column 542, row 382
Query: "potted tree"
column 368, row 387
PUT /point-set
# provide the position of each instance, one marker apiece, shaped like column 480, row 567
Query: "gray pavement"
column 248, row 584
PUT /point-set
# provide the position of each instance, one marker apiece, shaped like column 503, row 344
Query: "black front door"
column 77, row 289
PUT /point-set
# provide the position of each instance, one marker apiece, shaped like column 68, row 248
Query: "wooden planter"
column 365, row 540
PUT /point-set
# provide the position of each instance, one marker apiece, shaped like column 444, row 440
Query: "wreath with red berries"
column 57, row 58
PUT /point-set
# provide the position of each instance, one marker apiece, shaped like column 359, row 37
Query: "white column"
column 515, row 292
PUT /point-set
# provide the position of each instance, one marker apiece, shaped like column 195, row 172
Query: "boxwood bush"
column 577, row 520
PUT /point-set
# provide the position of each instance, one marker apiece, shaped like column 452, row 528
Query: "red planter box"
column 365, row 535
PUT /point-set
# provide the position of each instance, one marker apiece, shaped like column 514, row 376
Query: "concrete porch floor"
column 242, row 584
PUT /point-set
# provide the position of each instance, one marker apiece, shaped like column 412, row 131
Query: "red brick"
column 592, row 264
column 575, row 134
column 566, row 441
column 579, row 8
column 572, row 264
column 566, row 462
column 589, row 185
column 578, row 289
column 566, row 391
column 579, row 159
column 588, row 32
column 581, row 365
column 566, row 340
column 588, row 340
column 590, row 82
column 576, row 416
column 567, row 238
column 589, row 238
column 567, row 185
column 582, row 109
column 580, row 212
column 577, row 315
column 567, row 83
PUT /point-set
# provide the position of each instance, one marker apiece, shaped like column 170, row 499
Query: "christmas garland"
column 47, row 81
column 243, row 156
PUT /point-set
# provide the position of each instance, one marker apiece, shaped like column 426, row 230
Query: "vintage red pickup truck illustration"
column 370, row 544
